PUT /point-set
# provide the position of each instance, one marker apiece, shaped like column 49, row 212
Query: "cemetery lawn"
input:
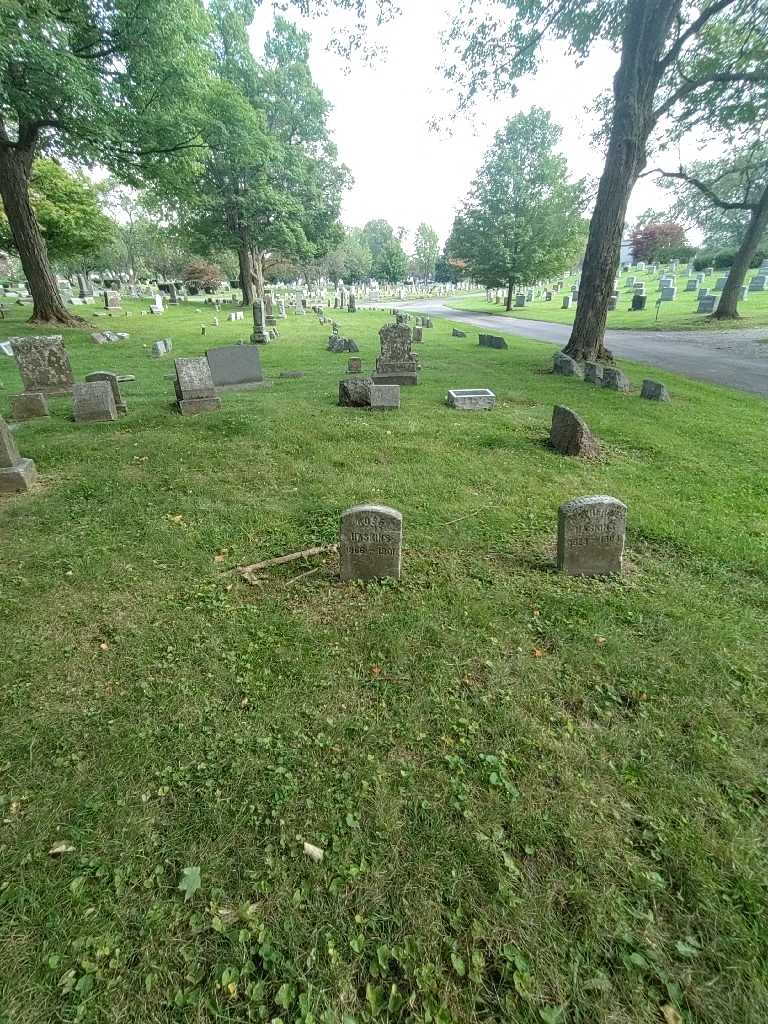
column 541, row 799
column 679, row 315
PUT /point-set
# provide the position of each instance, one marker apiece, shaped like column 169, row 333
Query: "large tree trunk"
column 15, row 169
column 258, row 273
column 646, row 27
column 727, row 307
column 246, row 273
column 509, row 294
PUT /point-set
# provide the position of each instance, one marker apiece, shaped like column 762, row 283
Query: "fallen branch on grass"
column 247, row 570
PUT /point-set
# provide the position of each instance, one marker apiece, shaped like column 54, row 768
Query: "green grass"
column 536, row 794
column 679, row 315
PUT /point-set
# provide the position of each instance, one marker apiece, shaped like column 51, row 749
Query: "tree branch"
column 693, row 29
column 705, row 189
column 693, row 84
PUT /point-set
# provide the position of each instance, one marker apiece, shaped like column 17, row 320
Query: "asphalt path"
column 737, row 359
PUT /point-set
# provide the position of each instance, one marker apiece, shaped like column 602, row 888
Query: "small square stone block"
column 94, row 402
column 385, row 396
column 29, row 406
column 370, row 543
column 591, row 534
column 18, row 477
column 471, row 399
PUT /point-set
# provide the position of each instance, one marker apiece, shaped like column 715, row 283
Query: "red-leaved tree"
column 653, row 241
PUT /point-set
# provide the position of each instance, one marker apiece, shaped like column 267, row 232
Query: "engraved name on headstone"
column 590, row 536
column 370, row 543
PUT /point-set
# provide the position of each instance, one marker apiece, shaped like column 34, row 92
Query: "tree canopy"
column 522, row 220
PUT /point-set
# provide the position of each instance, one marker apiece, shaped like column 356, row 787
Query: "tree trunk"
column 258, row 273
column 15, row 168
column 246, row 273
column 509, row 294
column 646, row 28
column 727, row 307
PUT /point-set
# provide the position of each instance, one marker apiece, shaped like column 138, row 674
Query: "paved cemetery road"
column 738, row 359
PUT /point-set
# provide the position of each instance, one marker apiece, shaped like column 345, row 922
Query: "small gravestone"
column 270, row 320
column 456, row 333
column 234, row 366
column 195, row 391
column 591, row 534
column 566, row 302
column 691, row 284
column 702, row 294
column 94, row 402
column 29, row 406
column 161, row 348
column 396, row 364
column 519, row 299
column 570, row 435
column 668, row 294
column 355, row 366
column 260, row 335
column 111, row 299
column 355, row 393
column 593, row 373
column 370, row 543
column 491, row 341
column 612, row 303
column 109, row 337
column 338, row 344
column 720, row 284
column 384, row 396
column 418, row 335
column 614, row 380
column 639, row 302
column 43, row 364
column 759, row 283
column 471, row 399
column 563, row 365
column 707, row 304
column 16, row 474
column 113, row 381
column 654, row 391
column 352, row 306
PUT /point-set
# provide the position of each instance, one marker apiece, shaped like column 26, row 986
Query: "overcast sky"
column 403, row 171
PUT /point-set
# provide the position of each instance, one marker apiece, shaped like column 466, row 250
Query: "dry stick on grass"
column 245, row 570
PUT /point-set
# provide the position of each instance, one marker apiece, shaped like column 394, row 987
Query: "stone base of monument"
column 193, row 406
column 384, row 396
column 29, row 405
column 260, row 337
column 471, row 399
column 18, row 478
column 402, row 379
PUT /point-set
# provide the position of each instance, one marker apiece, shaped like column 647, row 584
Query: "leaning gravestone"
column 194, row 386
column 570, row 435
column 94, row 402
column 654, row 391
column 491, row 341
column 16, row 474
column 43, row 364
column 566, row 367
column 590, row 536
column 29, row 406
column 234, row 366
column 370, row 543
column 396, row 364
column 114, row 382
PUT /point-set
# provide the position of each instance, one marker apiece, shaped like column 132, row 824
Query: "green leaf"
column 688, row 949
column 285, row 996
column 190, row 882
column 458, row 965
column 552, row 1014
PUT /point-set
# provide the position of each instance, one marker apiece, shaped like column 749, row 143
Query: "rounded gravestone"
column 370, row 543
column 590, row 536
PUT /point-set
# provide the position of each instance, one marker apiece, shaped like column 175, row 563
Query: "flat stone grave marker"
column 491, row 341
column 385, row 396
column 471, row 399
column 591, row 534
column 194, row 386
column 370, row 543
column 654, row 391
column 355, row 366
column 235, row 366
column 16, row 474
column 43, row 364
column 570, row 435
column 29, row 406
column 456, row 333
column 113, row 380
column 161, row 348
column 94, row 402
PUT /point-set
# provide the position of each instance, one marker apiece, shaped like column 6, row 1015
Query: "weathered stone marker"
column 591, row 533
column 43, row 364
column 113, row 381
column 94, row 402
column 385, row 396
column 471, row 399
column 615, row 380
column 396, row 364
column 194, row 386
column 566, row 367
column 570, row 435
column 370, row 544
column 354, row 365
column 29, row 406
column 593, row 373
column 654, row 391
column 356, row 393
column 234, row 366
column 491, row 341
column 16, row 474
